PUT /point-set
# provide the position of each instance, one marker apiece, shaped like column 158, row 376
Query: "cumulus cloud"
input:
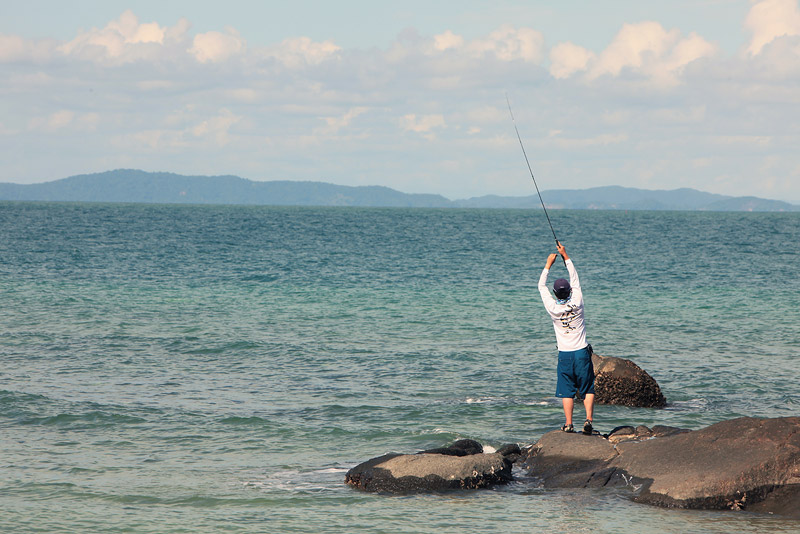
column 648, row 48
column 507, row 43
column 215, row 47
column 645, row 48
column 162, row 95
column 300, row 52
column 123, row 40
column 770, row 19
column 447, row 40
column 567, row 58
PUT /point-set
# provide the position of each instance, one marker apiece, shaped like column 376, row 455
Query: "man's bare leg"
column 569, row 405
column 588, row 403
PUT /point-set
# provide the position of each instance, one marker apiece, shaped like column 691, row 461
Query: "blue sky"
column 411, row 95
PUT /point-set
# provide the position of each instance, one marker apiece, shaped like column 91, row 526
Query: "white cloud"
column 244, row 94
column 770, row 19
column 301, row 51
column 507, row 43
column 54, row 122
column 12, row 47
column 687, row 50
column 632, row 47
column 679, row 115
column 15, row 48
column 123, row 40
column 487, row 114
column 217, row 128
column 184, row 132
column 214, row 47
column 334, row 124
column 748, row 141
column 651, row 50
column 645, row 48
column 567, row 58
column 510, row 44
column 600, row 140
column 447, row 40
column 424, row 124
column 64, row 120
column 156, row 85
column 592, row 116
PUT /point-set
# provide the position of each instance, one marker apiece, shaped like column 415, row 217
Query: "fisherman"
column 575, row 370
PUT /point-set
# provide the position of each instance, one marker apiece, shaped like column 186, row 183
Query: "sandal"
column 567, row 428
column 587, row 428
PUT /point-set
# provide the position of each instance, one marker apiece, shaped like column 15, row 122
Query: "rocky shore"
column 741, row 464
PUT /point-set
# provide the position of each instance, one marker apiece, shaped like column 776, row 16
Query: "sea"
column 215, row 369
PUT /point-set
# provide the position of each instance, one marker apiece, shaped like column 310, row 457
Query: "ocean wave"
column 688, row 405
column 302, row 481
column 250, row 421
column 85, row 420
column 482, row 400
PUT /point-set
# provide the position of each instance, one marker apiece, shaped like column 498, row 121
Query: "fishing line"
column 530, row 170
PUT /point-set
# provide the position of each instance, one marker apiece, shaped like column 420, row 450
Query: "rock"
column 462, row 465
column 621, row 382
column 510, row 452
column 732, row 464
column 622, row 433
column 745, row 463
column 628, row 433
column 568, row 460
column 462, row 447
column 662, row 431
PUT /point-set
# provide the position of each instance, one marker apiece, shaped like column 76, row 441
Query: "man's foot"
column 588, row 429
column 567, row 428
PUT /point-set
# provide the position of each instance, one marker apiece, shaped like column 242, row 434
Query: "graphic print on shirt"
column 568, row 317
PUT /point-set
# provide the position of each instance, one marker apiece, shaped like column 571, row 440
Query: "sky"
column 411, row 95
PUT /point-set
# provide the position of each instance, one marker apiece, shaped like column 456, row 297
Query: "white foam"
column 693, row 404
column 332, row 470
column 482, row 400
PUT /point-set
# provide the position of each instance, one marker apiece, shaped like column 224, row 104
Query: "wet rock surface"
column 744, row 463
column 741, row 464
column 463, row 465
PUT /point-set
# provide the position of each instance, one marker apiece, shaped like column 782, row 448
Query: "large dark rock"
column 744, row 463
column 621, row 382
column 463, row 465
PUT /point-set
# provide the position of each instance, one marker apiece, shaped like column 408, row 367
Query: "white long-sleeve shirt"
column 568, row 321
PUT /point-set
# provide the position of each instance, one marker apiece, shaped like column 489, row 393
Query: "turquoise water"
column 175, row 369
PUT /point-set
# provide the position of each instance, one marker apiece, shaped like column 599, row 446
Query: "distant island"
column 127, row 185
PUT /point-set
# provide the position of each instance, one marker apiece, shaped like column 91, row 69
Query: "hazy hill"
column 159, row 187
column 145, row 187
column 628, row 198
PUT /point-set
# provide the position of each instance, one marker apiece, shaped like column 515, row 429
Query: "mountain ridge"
column 131, row 185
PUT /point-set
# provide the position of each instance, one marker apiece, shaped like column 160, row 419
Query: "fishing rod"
column 531, row 171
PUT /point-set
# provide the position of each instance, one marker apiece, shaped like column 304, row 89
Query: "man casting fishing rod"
column 575, row 370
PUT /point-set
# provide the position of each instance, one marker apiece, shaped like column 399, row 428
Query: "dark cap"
column 561, row 288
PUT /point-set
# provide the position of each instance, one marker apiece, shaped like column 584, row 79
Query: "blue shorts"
column 575, row 373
